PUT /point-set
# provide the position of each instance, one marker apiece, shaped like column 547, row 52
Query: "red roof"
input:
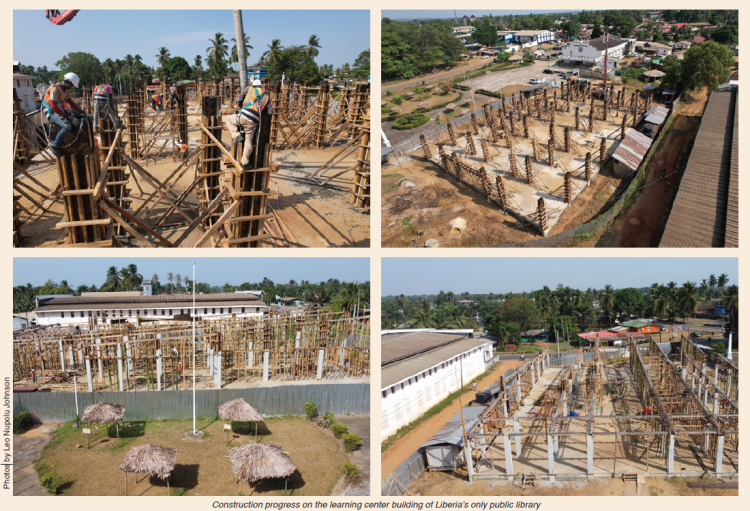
column 698, row 39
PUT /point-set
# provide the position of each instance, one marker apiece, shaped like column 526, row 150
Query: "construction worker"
column 183, row 150
column 173, row 96
column 253, row 103
column 61, row 110
column 156, row 100
column 103, row 94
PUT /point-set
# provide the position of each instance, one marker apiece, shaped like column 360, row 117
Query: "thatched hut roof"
column 383, row 103
column 253, row 462
column 422, row 104
column 397, row 109
column 239, row 410
column 409, row 93
column 103, row 412
column 150, row 459
column 450, row 106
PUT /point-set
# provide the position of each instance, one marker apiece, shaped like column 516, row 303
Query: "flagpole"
column 193, row 347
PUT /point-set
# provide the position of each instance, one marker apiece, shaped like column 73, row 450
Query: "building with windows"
column 257, row 72
column 25, row 90
column 463, row 33
column 591, row 53
column 136, row 308
column 528, row 38
column 420, row 368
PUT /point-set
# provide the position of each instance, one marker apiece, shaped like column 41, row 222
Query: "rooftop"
column 632, row 149
column 702, row 215
column 453, row 431
column 116, row 302
column 600, row 44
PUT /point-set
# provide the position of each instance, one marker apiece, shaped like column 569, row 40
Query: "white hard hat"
column 180, row 141
column 72, row 78
column 257, row 83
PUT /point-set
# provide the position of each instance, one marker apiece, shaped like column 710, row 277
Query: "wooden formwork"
column 211, row 156
column 21, row 148
column 294, row 343
column 361, row 181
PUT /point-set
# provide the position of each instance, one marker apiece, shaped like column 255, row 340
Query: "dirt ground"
column 642, row 226
column 438, row 207
column 358, row 486
column 444, row 485
column 406, row 446
column 311, row 211
column 202, row 467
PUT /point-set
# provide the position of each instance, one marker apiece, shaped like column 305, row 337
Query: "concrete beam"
column 508, row 454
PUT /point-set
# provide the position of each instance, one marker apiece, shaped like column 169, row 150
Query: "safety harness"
column 47, row 101
column 250, row 110
column 100, row 94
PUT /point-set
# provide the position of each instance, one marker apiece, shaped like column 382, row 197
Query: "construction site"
column 533, row 155
column 230, row 352
column 646, row 411
column 133, row 187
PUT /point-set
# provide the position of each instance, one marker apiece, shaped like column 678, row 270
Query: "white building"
column 527, row 38
column 682, row 45
column 591, row 53
column 121, row 307
column 23, row 320
column 463, row 33
column 25, row 91
column 657, row 49
column 419, row 369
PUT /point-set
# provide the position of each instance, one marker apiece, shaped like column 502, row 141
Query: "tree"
column 706, row 65
column 712, row 280
column 726, row 34
column 607, row 299
column 236, row 58
column 85, row 65
column 198, row 65
column 217, row 52
column 170, row 278
column 177, row 68
column 571, row 28
column 629, row 301
column 113, row 278
column 242, row 53
column 688, row 301
column 361, row 70
column 660, row 301
column 312, row 46
column 731, row 304
column 273, row 54
column 722, row 281
column 596, row 32
column 486, row 35
column 294, row 63
column 162, row 58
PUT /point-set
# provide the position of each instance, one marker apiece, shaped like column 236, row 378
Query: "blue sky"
column 417, row 276
column 114, row 34
column 445, row 13
column 213, row 270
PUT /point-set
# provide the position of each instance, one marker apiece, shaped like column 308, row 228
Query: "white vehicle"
column 535, row 80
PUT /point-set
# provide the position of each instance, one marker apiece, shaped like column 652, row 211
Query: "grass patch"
column 409, row 121
column 202, row 467
column 442, row 405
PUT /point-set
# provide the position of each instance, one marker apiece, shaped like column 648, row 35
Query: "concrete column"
column 670, row 455
column 590, row 454
column 719, row 453
column 321, row 361
column 706, row 440
column 508, row 454
column 250, row 354
column 217, row 370
column 469, row 462
column 119, row 366
column 128, row 352
column 557, row 446
column 62, row 355
column 692, row 379
column 729, row 381
column 80, row 357
column 565, row 404
column 517, row 429
column 716, row 401
column 683, row 373
column 705, row 393
column 518, row 389
column 266, row 358
column 158, row 369
column 210, row 362
column 99, row 359
column 89, row 375
column 538, row 371
column 550, row 455
column 297, row 344
column 71, row 358
column 533, row 382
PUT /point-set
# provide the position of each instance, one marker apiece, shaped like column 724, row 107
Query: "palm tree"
column 442, row 319
column 731, row 303
column 312, row 46
column 186, row 281
column 704, row 288
column 350, row 295
column 235, row 56
column 607, row 297
column 170, row 277
column 660, row 297
column 113, row 278
column 162, row 58
column 712, row 280
column 273, row 55
column 178, row 279
column 722, row 281
column 420, row 318
column 688, row 301
column 217, row 52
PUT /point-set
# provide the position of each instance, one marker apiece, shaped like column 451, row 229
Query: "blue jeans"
column 65, row 127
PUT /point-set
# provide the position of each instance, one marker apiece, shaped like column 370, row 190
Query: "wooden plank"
column 25, row 173
column 215, row 227
column 223, row 149
column 82, row 223
column 136, row 221
column 249, row 238
column 206, row 213
column 99, row 187
column 117, row 218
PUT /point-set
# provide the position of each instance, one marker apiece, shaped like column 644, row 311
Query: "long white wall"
column 404, row 401
column 78, row 317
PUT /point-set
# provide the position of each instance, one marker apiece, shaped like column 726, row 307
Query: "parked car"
column 535, row 80
column 695, row 335
column 549, row 71
column 662, row 328
column 563, row 73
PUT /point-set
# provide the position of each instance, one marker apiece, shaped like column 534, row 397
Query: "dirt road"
column 456, row 70
column 641, row 227
column 27, row 448
column 405, row 447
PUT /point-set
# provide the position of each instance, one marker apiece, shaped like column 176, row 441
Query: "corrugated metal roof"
column 657, row 115
column 453, row 433
column 400, row 345
column 632, row 149
column 700, row 210
column 157, row 301
column 399, row 371
column 732, row 236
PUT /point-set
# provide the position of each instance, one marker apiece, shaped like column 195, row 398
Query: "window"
column 243, row 309
column 221, row 311
column 62, row 314
column 230, row 310
column 138, row 313
column 81, row 313
column 130, row 313
column 182, row 311
column 213, row 311
column 420, row 398
column 90, row 314
column 98, row 314
column 205, row 311
column 399, row 411
column 170, row 312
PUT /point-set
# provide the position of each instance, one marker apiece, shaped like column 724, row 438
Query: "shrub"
column 350, row 469
column 352, row 442
column 49, row 482
column 329, row 419
column 21, row 423
column 311, row 410
column 409, row 121
column 465, row 105
column 486, row 92
column 339, row 430
column 388, row 93
column 397, row 100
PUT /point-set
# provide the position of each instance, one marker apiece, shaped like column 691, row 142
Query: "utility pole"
column 241, row 54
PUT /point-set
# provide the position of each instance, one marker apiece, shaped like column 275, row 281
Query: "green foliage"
column 50, row 482
column 486, row 35
column 361, row 66
column 350, row 469
column 388, row 93
column 706, row 65
column 352, row 442
column 177, row 69
column 329, row 419
column 311, row 410
column 21, row 423
column 486, row 92
column 85, row 65
column 296, row 64
column 339, row 430
column 410, row 121
column 398, row 100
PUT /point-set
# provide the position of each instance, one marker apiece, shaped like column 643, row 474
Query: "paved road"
column 27, row 448
column 442, row 75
